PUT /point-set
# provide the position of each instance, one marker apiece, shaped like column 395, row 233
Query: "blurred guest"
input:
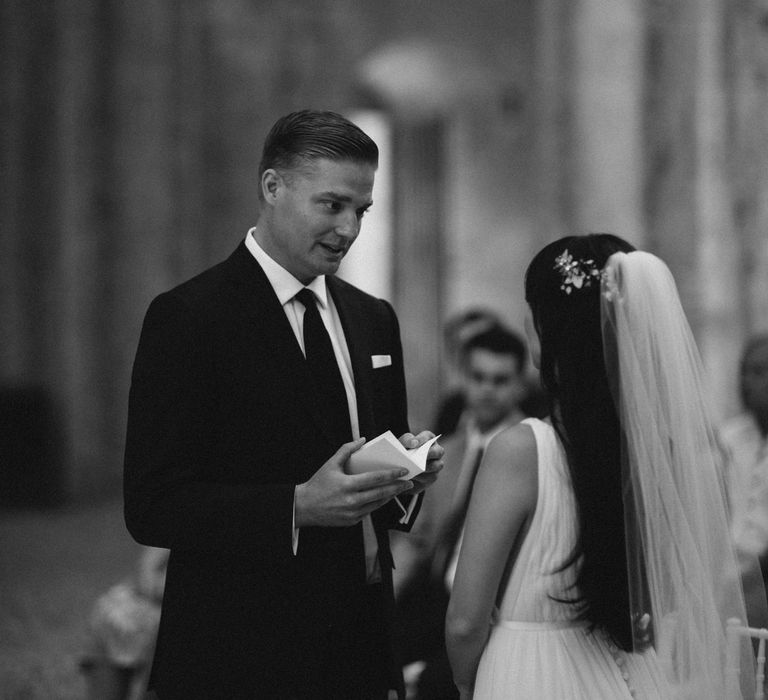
column 492, row 363
column 122, row 631
column 745, row 440
column 457, row 330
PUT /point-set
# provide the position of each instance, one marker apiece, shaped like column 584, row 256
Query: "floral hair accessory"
column 576, row 273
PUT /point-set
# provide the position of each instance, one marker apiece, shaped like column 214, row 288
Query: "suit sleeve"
column 171, row 501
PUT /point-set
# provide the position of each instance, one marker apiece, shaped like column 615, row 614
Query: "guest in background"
column 492, row 365
column 456, row 331
column 745, row 440
column 122, row 629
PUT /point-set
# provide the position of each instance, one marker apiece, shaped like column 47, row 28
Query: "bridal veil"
column 684, row 574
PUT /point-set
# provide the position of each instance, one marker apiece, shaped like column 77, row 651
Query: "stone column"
column 606, row 97
column 688, row 191
column 418, row 259
column 32, row 450
column 83, row 178
column 552, row 114
column 588, row 115
column 128, row 214
column 718, row 319
column 748, row 102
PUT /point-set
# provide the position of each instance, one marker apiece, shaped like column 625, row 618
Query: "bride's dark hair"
column 583, row 413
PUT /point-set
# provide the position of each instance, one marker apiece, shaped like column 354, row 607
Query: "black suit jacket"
column 222, row 424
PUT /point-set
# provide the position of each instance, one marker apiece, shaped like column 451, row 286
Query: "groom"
column 251, row 385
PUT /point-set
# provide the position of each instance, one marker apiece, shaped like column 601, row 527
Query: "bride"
column 596, row 562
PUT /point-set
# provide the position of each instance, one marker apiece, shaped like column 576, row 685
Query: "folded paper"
column 386, row 452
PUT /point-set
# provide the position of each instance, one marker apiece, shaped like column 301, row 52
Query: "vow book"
column 386, row 452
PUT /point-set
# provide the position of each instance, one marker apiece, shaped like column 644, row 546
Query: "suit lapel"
column 259, row 302
column 262, row 308
column 353, row 321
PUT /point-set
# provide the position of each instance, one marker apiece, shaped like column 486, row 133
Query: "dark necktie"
column 324, row 369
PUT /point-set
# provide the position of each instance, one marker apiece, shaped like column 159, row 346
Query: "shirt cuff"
column 295, row 530
column 407, row 512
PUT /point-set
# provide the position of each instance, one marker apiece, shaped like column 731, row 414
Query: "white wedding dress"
column 535, row 650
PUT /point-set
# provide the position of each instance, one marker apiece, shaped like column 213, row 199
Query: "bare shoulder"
column 515, row 445
column 510, row 462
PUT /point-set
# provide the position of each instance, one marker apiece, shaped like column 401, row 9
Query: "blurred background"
column 131, row 134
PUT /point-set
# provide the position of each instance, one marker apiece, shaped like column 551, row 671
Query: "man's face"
column 316, row 214
column 754, row 379
column 493, row 386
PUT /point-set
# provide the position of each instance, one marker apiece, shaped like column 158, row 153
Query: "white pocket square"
column 381, row 361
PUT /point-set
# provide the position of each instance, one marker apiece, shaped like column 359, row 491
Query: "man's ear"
column 271, row 181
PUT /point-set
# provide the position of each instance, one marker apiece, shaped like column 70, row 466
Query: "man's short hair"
column 498, row 340
column 311, row 134
column 474, row 319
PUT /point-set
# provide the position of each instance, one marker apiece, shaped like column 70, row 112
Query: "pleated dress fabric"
column 535, row 650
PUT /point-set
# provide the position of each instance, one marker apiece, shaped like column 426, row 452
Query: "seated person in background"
column 122, row 630
column 492, row 364
column 745, row 440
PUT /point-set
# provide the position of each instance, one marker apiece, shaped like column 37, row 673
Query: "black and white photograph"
column 383, row 350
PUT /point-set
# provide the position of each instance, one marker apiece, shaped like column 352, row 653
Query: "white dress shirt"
column 286, row 286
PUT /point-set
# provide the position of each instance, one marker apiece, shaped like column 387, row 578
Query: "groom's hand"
column 332, row 498
column 434, row 458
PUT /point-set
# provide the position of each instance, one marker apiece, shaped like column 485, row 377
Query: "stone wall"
column 129, row 142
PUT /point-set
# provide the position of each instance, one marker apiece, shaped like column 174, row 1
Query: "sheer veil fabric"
column 684, row 572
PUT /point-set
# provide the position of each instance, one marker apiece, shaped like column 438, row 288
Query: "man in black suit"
column 279, row 583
